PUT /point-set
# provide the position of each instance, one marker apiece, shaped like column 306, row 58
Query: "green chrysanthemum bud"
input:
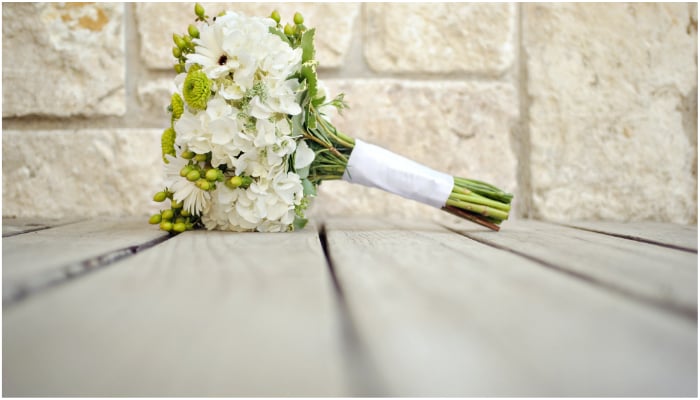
column 193, row 175
column 298, row 18
column 166, row 226
column 167, row 143
column 201, row 157
column 276, row 16
column 187, row 154
column 175, row 205
column 160, row 197
column 185, row 170
column 199, row 10
column 177, row 52
column 212, row 175
column 289, row 30
column 180, row 219
column 155, row 219
column 179, row 68
column 193, row 31
column 179, row 227
column 179, row 41
column 177, row 105
column 167, row 215
column 197, row 89
column 185, row 213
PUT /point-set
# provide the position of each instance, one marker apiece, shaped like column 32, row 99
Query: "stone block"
column 613, row 111
column 461, row 128
column 80, row 173
column 440, row 38
column 158, row 21
column 63, row 59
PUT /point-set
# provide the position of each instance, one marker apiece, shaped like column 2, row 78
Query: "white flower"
column 303, row 156
column 194, row 199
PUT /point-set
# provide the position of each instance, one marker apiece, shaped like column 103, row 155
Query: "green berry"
column 185, row 213
column 199, row 10
column 289, row 30
column 179, row 68
column 166, row 226
column 167, row 215
column 193, row 31
column 175, row 205
column 179, row 227
column 212, row 175
column 185, row 170
column 179, row 41
column 187, row 155
column 203, row 184
column 298, row 18
column 155, row 219
column 201, row 157
column 193, row 175
column 177, row 52
column 235, row 182
column 276, row 16
column 160, row 197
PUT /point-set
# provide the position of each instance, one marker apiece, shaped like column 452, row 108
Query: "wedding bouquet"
column 250, row 141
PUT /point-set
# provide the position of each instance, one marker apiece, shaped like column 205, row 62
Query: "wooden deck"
column 350, row 307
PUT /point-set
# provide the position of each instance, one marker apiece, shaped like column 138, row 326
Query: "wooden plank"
column 444, row 315
column 673, row 235
column 202, row 314
column 17, row 226
column 47, row 255
column 664, row 276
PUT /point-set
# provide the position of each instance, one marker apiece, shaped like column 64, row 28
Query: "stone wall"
column 584, row 111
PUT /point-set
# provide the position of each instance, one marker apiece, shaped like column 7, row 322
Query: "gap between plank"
column 684, row 312
column 633, row 238
column 73, row 271
column 363, row 374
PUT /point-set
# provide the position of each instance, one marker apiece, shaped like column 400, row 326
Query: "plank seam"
column 633, row 238
column 680, row 311
column 28, row 230
column 72, row 271
column 364, row 376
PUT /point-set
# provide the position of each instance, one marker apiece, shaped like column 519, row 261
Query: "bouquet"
column 250, row 139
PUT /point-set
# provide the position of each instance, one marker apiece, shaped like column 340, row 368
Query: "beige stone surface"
column 154, row 97
column 63, row 59
column 157, row 22
column 461, row 128
column 80, row 173
column 440, row 37
column 613, row 112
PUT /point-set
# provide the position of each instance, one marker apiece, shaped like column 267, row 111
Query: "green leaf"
column 279, row 33
column 299, row 223
column 307, row 46
column 309, row 188
column 303, row 172
column 310, row 120
column 308, row 71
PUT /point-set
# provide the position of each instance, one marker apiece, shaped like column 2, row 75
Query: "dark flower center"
column 223, row 59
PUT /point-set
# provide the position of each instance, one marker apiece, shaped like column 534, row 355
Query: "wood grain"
column 444, row 315
column 664, row 276
column 17, row 226
column 202, row 314
column 48, row 254
column 680, row 236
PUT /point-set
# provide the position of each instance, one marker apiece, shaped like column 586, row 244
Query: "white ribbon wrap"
column 373, row 166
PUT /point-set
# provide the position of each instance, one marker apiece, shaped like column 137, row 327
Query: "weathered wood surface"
column 41, row 257
column 663, row 276
column 202, row 314
column 402, row 308
column 16, row 226
column 441, row 314
column 673, row 235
